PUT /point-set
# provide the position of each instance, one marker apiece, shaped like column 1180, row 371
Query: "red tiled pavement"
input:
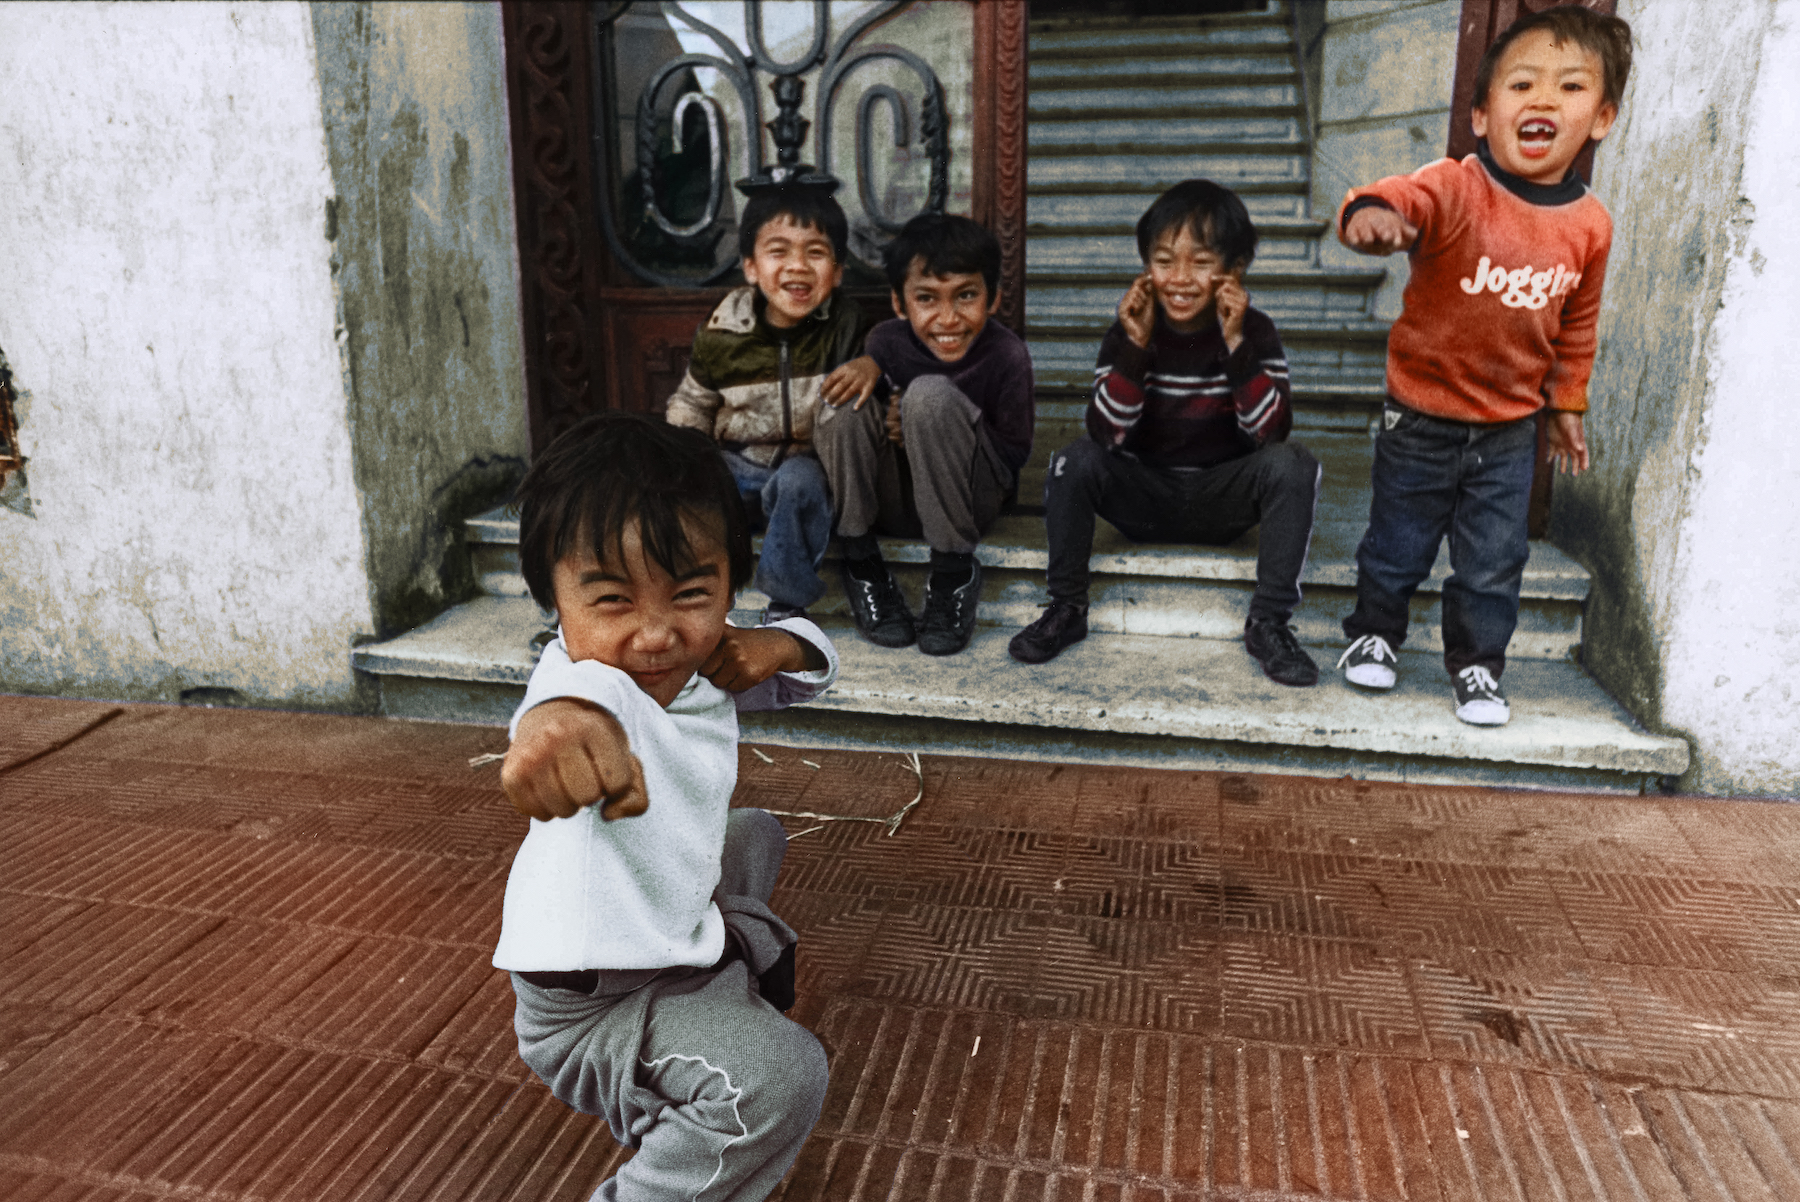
column 245, row 955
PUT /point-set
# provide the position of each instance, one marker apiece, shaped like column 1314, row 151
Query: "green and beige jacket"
column 755, row 388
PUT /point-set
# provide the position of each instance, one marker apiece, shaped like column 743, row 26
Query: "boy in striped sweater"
column 1187, row 432
column 1508, row 251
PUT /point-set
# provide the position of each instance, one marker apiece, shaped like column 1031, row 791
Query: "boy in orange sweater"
column 1508, row 251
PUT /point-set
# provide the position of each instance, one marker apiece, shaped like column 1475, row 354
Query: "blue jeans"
column 796, row 509
column 1434, row 477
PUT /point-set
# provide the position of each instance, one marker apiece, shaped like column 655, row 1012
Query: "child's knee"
column 1291, row 463
column 792, row 1091
column 1076, row 464
column 933, row 401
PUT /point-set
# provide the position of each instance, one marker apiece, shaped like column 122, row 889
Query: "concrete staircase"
column 1120, row 109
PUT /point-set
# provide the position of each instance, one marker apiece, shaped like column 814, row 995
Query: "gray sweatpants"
column 713, row 1086
column 946, row 485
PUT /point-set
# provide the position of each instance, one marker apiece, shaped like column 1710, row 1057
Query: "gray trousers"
column 947, row 485
column 715, row 1089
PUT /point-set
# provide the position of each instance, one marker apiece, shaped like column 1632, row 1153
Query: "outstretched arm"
column 1378, row 231
column 567, row 754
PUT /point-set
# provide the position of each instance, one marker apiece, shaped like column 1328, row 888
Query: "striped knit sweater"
column 1184, row 401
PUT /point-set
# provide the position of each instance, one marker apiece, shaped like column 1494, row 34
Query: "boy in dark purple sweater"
column 938, row 452
column 1187, row 432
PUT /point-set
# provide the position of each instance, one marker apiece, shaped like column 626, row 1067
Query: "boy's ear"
column 1603, row 121
column 994, row 302
column 1478, row 120
column 899, row 305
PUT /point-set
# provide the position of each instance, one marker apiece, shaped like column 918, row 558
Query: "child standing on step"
column 648, row 971
column 938, row 452
column 1508, row 251
column 1187, row 432
column 753, row 382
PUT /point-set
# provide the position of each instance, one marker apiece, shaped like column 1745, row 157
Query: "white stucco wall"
column 167, row 304
column 1686, row 520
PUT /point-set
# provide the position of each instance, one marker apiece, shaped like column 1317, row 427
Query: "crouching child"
column 648, row 970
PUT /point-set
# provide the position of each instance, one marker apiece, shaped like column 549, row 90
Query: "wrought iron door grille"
column 670, row 120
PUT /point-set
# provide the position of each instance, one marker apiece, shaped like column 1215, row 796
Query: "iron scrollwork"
column 788, row 128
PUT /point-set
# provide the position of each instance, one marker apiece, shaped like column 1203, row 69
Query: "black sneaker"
column 1479, row 701
column 1271, row 642
column 1062, row 624
column 879, row 608
column 949, row 617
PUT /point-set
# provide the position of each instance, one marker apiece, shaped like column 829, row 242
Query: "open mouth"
column 1536, row 135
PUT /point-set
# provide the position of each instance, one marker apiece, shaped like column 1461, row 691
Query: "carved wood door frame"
column 597, row 338
column 1483, row 21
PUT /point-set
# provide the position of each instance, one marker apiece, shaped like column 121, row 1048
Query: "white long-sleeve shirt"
column 637, row 892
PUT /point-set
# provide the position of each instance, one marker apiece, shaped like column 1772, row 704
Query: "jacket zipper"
column 787, row 409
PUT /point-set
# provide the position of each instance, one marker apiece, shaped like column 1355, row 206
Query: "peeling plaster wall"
column 423, row 255
column 1686, row 519
column 1386, row 71
column 167, row 305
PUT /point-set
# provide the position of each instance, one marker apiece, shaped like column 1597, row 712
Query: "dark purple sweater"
column 995, row 374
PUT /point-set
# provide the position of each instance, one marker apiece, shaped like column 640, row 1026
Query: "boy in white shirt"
column 648, row 969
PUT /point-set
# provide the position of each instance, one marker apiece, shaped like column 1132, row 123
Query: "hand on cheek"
column 1230, row 301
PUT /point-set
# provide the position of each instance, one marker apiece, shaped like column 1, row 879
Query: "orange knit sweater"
column 1499, row 315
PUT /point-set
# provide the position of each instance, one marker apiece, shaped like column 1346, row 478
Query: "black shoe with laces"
column 1062, row 624
column 879, row 607
column 949, row 617
column 1271, row 642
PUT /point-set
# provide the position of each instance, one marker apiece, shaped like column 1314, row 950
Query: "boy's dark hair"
column 612, row 467
column 1606, row 38
column 945, row 244
column 807, row 206
column 1211, row 212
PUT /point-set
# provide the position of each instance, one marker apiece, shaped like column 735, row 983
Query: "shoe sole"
column 1012, row 649
column 1383, row 677
column 1480, row 713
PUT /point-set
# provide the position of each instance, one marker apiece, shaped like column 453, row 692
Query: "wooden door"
column 1483, row 21
column 602, row 330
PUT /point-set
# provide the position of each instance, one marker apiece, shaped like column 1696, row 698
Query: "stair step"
column 1245, row 64
column 1179, row 92
column 1052, row 299
column 1177, row 590
column 1191, row 35
column 1107, row 172
column 1065, row 207
column 1088, row 132
column 1204, row 706
column 1052, row 250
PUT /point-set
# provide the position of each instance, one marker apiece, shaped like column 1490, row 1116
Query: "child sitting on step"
column 753, row 382
column 648, row 971
column 1187, row 432
column 1508, row 251
column 939, row 451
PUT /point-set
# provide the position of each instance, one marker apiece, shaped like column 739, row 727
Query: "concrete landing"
column 1115, row 698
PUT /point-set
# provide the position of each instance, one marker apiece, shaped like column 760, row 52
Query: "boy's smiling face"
column 794, row 267
column 946, row 312
column 632, row 614
column 1544, row 104
column 1185, row 274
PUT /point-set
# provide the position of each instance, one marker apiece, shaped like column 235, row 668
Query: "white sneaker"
column 1369, row 662
column 1479, row 701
